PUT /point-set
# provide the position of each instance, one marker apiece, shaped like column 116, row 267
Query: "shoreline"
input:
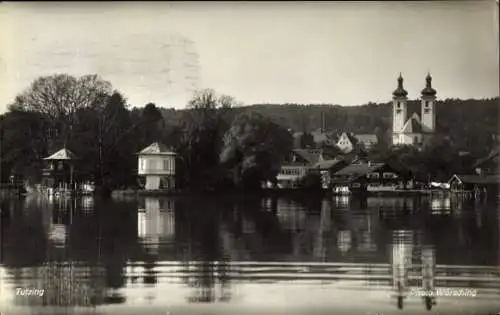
column 273, row 192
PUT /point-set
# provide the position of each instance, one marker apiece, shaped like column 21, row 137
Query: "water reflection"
column 90, row 252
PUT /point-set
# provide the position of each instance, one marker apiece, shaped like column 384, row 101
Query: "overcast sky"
column 341, row 53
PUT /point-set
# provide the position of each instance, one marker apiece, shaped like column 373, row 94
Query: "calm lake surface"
column 209, row 255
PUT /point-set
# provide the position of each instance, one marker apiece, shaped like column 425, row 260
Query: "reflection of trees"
column 95, row 250
column 204, row 258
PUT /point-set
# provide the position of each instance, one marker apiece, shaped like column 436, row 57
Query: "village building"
column 489, row 164
column 344, row 143
column 157, row 165
column 364, row 176
column 477, row 184
column 326, row 168
column 367, row 140
column 297, row 166
column 416, row 129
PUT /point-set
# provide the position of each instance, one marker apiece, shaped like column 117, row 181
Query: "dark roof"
column 400, row 91
column 311, row 156
column 428, row 90
column 327, row 164
column 476, row 179
column 356, row 170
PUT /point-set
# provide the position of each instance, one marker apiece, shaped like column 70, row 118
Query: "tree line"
column 94, row 121
column 221, row 144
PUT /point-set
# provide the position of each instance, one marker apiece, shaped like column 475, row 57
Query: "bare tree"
column 209, row 99
column 61, row 95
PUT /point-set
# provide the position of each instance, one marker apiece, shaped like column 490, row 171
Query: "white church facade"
column 417, row 128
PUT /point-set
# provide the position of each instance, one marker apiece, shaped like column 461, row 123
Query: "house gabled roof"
column 63, row 154
column 157, row 148
column 309, row 156
column 327, row 164
column 357, row 170
column 494, row 154
column 475, row 179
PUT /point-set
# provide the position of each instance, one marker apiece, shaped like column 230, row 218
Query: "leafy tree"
column 255, row 146
column 23, row 143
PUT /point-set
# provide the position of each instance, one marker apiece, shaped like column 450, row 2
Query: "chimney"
column 323, row 122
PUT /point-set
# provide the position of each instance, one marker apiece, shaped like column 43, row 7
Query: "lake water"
column 208, row 255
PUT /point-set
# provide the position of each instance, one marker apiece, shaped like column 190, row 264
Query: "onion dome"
column 428, row 91
column 400, row 91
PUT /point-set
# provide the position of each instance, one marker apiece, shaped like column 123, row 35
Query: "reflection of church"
column 415, row 129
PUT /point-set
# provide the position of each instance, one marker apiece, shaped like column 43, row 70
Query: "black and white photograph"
column 250, row 157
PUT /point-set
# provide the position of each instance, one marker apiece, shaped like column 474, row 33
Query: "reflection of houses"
column 155, row 222
column 62, row 285
column 475, row 183
column 157, row 164
column 364, row 176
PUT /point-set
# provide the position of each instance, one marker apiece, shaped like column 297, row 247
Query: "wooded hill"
column 471, row 124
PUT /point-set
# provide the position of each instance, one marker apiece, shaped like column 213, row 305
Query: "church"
column 415, row 129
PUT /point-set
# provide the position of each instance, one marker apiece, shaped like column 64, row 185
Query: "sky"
column 345, row 53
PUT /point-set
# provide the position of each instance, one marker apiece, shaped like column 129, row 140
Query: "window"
column 389, row 175
column 165, row 165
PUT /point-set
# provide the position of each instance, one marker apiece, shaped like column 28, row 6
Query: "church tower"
column 399, row 104
column 428, row 106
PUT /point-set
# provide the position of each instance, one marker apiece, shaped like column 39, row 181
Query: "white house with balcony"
column 157, row 164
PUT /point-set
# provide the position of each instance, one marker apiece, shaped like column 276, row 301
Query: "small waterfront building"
column 157, row 164
column 59, row 170
column 475, row 183
column 362, row 176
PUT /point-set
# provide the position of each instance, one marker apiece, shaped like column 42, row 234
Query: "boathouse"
column 58, row 174
column 475, row 183
column 157, row 166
